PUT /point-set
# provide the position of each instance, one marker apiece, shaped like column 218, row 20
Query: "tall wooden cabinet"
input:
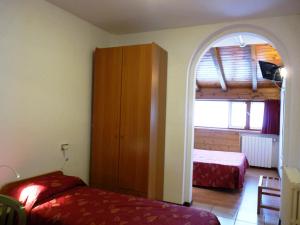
column 128, row 119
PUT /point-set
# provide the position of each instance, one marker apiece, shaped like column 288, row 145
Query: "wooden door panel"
column 106, row 117
column 135, row 118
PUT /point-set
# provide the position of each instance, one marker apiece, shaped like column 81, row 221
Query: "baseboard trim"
column 188, row 204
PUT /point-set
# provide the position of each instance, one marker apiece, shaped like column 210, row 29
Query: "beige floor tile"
column 250, row 217
column 229, row 213
column 245, row 223
column 203, row 206
column 249, row 203
column 226, row 221
column 226, row 203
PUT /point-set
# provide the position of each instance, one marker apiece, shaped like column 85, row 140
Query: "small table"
column 268, row 186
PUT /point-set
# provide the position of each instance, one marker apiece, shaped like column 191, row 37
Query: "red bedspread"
column 56, row 199
column 89, row 206
column 219, row 169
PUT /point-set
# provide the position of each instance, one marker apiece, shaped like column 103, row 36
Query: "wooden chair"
column 12, row 212
column 267, row 186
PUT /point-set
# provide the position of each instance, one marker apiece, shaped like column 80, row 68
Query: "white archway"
column 190, row 94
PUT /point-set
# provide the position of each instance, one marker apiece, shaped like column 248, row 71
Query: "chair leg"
column 259, row 198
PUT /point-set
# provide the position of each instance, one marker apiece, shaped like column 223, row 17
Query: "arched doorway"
column 203, row 47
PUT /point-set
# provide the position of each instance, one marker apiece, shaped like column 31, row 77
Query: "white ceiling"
column 128, row 16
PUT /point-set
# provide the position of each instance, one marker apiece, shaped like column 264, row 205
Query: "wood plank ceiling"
column 235, row 67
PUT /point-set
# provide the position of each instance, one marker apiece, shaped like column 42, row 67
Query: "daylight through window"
column 229, row 114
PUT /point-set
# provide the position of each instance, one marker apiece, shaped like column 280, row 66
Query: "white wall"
column 181, row 45
column 45, row 87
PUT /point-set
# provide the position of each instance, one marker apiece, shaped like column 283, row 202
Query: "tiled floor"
column 239, row 207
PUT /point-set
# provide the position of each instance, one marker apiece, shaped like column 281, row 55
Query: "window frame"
column 229, row 127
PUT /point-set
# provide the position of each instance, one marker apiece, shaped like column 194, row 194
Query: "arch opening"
column 215, row 39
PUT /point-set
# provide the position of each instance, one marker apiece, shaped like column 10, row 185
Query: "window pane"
column 211, row 114
column 238, row 115
column 256, row 115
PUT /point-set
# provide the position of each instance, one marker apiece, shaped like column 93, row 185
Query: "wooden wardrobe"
column 128, row 119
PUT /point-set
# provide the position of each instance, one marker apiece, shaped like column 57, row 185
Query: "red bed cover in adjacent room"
column 219, row 169
column 63, row 200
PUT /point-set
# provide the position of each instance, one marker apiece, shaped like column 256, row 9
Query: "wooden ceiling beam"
column 219, row 67
column 254, row 67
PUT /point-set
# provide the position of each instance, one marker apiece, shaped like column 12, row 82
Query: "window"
column 229, row 114
column 238, row 115
column 256, row 115
column 207, row 114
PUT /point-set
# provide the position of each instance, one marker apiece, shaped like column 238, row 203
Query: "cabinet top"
column 134, row 45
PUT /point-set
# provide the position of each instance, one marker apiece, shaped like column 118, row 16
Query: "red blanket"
column 89, row 206
column 219, row 169
column 63, row 200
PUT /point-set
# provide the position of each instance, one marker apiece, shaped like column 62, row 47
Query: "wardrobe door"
column 135, row 119
column 106, row 117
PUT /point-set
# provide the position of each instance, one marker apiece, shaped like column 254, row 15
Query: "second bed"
column 219, row 169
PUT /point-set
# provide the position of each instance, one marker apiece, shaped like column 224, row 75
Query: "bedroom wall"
column 181, row 45
column 217, row 139
column 45, row 87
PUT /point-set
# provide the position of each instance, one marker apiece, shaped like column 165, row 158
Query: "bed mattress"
column 219, row 169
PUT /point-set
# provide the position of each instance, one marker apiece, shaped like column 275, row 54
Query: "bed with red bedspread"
column 56, row 199
column 219, row 169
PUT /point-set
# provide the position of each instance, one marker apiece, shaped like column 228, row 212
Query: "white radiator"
column 290, row 198
column 260, row 150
